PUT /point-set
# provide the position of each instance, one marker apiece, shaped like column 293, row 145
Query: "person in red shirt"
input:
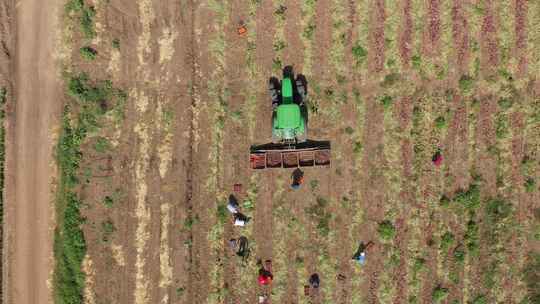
column 265, row 273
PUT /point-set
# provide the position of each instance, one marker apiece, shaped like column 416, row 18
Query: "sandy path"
column 38, row 107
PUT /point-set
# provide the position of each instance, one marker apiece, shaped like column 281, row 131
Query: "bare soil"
column 31, row 122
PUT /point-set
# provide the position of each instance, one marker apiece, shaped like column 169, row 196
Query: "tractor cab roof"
column 288, row 116
column 287, row 90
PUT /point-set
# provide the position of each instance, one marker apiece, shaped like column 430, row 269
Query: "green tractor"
column 289, row 112
column 290, row 146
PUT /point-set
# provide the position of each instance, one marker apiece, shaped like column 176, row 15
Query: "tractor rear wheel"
column 273, row 89
column 301, row 88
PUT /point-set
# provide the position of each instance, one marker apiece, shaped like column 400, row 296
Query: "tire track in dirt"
column 404, row 115
column 456, row 143
column 265, row 32
column 182, row 166
column 198, row 59
column 351, row 37
column 517, row 179
column 372, row 200
column 485, row 134
column 321, row 77
column 428, row 192
column 461, row 37
column 376, row 37
column 406, row 34
column 236, row 138
column 486, row 164
column 323, row 42
column 432, row 33
column 293, row 53
column 455, row 149
column 520, row 50
column 373, row 138
column 489, row 56
column 344, row 188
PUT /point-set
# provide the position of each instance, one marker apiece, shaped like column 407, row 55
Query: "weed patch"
column 359, row 53
column 69, row 242
column 447, row 240
column 102, row 145
column 88, row 53
column 530, row 184
column 471, row 238
column 480, row 299
column 439, row 294
column 85, row 15
column 386, row 230
column 107, row 229
column 466, row 84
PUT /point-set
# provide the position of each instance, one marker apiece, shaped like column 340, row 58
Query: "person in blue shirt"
column 297, row 178
column 360, row 254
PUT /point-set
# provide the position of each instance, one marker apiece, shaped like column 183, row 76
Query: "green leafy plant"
column 390, row 80
column 459, row 254
column 314, row 184
column 309, row 30
column 248, row 204
column 470, row 198
column 505, row 103
column 416, row 62
column 107, row 229
column 501, row 126
column 466, row 83
column 221, row 215
column 357, row 147
column 359, row 53
column 386, row 101
column 471, row 238
column 530, row 184
column 102, row 145
column 447, row 240
column 88, row 53
column 108, row 202
column 444, row 201
column 386, row 230
column 116, row 43
column 279, row 45
column 480, row 299
column 440, row 123
column 419, row 264
column 439, row 294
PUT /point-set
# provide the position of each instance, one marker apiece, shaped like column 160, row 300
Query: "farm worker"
column 297, row 178
column 265, row 273
column 232, row 206
column 437, row 158
column 239, row 219
column 314, row 281
column 360, row 255
column 240, row 246
column 241, row 29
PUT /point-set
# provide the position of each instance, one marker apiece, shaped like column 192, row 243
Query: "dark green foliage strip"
column 85, row 15
column 69, row 242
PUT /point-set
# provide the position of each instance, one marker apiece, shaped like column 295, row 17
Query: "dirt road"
column 38, row 104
